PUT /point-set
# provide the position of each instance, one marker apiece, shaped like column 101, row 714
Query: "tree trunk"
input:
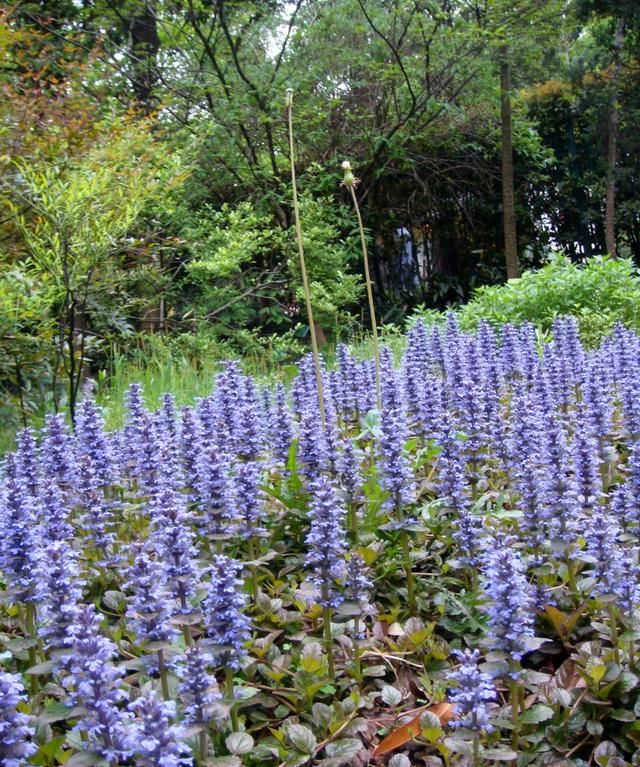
column 145, row 44
column 508, row 196
column 612, row 146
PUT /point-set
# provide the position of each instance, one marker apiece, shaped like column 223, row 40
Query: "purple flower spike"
column 28, row 460
column 174, row 541
column 154, row 741
column 19, row 540
column 16, row 730
column 198, row 689
column 93, row 442
column 312, row 444
column 93, row 683
column 472, row 692
column 58, row 454
column 226, row 625
column 55, row 515
column 326, row 542
column 191, row 441
column 97, row 522
column 214, row 495
column 358, row 587
column 249, row 498
column 511, row 601
column 397, row 476
column 281, row 432
column 59, row 590
column 150, row 606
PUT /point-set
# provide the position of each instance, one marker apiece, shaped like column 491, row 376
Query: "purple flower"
column 97, row 522
column 396, row 472
column 349, row 475
column 19, row 540
column 312, row 444
column 27, row 459
column 326, row 542
column 57, row 451
column 93, row 684
column 16, row 729
column 281, row 427
column 59, row 591
column 586, row 462
column 55, row 515
column 249, row 498
column 169, row 414
column 214, row 495
column 191, row 443
column 154, row 741
column 228, row 386
column 198, row 689
column 226, row 625
column 358, row 588
column 472, row 691
column 511, row 601
column 347, row 383
column 603, row 550
column 92, row 441
column 247, row 422
column 174, row 542
column 150, row 606
column 453, row 488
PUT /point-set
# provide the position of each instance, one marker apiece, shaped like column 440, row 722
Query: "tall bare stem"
column 351, row 182
column 303, row 266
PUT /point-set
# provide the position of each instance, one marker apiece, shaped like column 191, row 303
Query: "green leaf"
column 83, row 759
column 302, row 738
column 344, row 749
column 55, row 712
column 502, row 754
column 239, row 743
column 623, row 715
column 391, row 695
column 458, row 746
column 322, row 714
column 399, row 760
column 41, row 669
column 225, row 761
column 374, row 671
column 604, row 751
column 537, row 713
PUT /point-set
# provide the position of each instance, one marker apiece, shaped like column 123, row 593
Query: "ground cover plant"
column 451, row 578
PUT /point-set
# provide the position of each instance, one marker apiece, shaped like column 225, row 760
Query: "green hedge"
column 599, row 293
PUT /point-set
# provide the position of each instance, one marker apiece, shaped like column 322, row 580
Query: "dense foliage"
column 599, row 294
column 179, row 111
column 454, row 575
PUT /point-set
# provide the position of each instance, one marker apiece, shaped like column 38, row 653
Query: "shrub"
column 599, row 293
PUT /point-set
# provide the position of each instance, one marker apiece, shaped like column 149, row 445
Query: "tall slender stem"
column 303, row 266
column 253, row 570
column 356, row 649
column 326, row 627
column 350, row 182
column 406, row 555
column 228, row 672
column 162, row 668
column 30, row 620
column 613, row 627
column 476, row 750
column 515, row 707
column 204, row 747
column 328, row 640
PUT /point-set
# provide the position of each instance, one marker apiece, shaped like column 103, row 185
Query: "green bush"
column 599, row 294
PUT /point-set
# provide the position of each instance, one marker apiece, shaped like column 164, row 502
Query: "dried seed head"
column 349, row 180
